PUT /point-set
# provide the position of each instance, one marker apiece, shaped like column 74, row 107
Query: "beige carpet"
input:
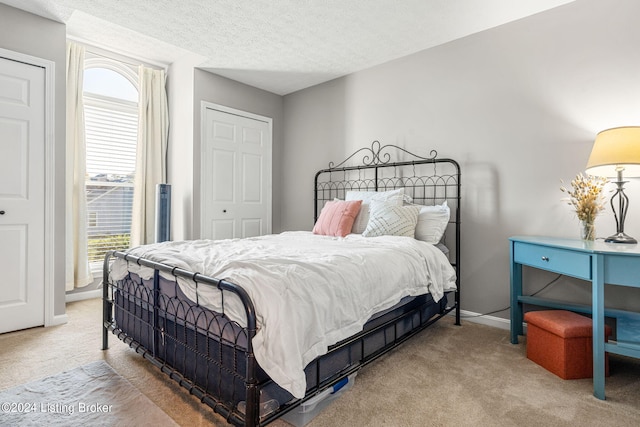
column 445, row 376
column 473, row 376
column 89, row 395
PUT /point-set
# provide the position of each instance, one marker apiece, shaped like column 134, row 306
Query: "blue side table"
column 597, row 262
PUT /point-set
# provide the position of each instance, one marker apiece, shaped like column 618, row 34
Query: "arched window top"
column 110, row 78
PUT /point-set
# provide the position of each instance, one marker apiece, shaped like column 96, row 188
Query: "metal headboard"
column 428, row 180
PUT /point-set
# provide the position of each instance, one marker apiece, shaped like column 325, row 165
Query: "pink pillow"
column 336, row 218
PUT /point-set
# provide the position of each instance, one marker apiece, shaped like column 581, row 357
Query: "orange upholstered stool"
column 561, row 342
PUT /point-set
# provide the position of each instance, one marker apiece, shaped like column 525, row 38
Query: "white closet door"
column 236, row 174
column 22, row 195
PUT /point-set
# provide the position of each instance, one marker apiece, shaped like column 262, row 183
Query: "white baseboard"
column 59, row 319
column 484, row 319
column 496, row 322
column 80, row 296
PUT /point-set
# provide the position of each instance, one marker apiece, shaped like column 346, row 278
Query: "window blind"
column 111, row 127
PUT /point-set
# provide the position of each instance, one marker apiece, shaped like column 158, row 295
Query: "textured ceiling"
column 278, row 45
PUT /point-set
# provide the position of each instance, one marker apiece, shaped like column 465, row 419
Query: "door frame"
column 50, row 319
column 204, row 105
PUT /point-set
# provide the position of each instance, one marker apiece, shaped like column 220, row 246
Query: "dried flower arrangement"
column 586, row 196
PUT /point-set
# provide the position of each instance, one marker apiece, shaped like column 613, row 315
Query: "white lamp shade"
column 615, row 149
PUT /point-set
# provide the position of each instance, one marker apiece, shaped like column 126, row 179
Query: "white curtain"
column 153, row 127
column 78, row 273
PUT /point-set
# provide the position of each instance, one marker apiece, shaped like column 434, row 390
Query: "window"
column 111, row 127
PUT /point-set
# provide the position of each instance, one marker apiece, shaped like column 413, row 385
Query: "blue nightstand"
column 597, row 262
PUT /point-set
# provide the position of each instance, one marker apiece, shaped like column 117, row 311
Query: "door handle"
column 1, row 212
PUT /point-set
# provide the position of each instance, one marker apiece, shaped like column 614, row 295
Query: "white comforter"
column 309, row 291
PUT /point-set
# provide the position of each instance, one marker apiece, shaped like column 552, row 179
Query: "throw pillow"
column 336, row 218
column 390, row 220
column 395, row 197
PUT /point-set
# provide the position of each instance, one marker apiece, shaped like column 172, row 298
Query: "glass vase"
column 587, row 230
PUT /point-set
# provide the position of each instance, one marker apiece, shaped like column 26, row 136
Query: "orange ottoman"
column 561, row 342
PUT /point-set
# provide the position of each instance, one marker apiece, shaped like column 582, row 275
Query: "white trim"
column 229, row 110
column 50, row 318
column 484, row 319
column 49, row 229
column 81, row 296
column 59, row 319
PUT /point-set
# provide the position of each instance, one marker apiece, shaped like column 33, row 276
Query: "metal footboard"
column 153, row 313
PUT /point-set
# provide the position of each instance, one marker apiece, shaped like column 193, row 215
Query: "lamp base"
column 620, row 238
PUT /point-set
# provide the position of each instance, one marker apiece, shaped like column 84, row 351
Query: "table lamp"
column 616, row 151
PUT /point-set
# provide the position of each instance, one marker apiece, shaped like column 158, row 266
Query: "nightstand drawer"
column 561, row 261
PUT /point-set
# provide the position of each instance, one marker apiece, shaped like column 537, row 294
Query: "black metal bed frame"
column 173, row 334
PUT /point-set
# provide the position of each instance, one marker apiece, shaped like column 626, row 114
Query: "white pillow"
column 388, row 219
column 395, row 197
column 432, row 223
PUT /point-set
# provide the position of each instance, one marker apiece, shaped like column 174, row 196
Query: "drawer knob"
column 545, row 258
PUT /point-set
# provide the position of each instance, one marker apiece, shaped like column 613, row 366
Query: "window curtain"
column 153, row 127
column 78, row 272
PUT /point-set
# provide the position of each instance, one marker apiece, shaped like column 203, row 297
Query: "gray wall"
column 32, row 35
column 518, row 106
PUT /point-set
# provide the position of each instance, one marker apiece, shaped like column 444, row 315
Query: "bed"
column 255, row 327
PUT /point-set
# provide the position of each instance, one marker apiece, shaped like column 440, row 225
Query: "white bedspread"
column 309, row 291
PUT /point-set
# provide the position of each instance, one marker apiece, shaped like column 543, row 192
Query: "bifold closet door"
column 236, row 175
